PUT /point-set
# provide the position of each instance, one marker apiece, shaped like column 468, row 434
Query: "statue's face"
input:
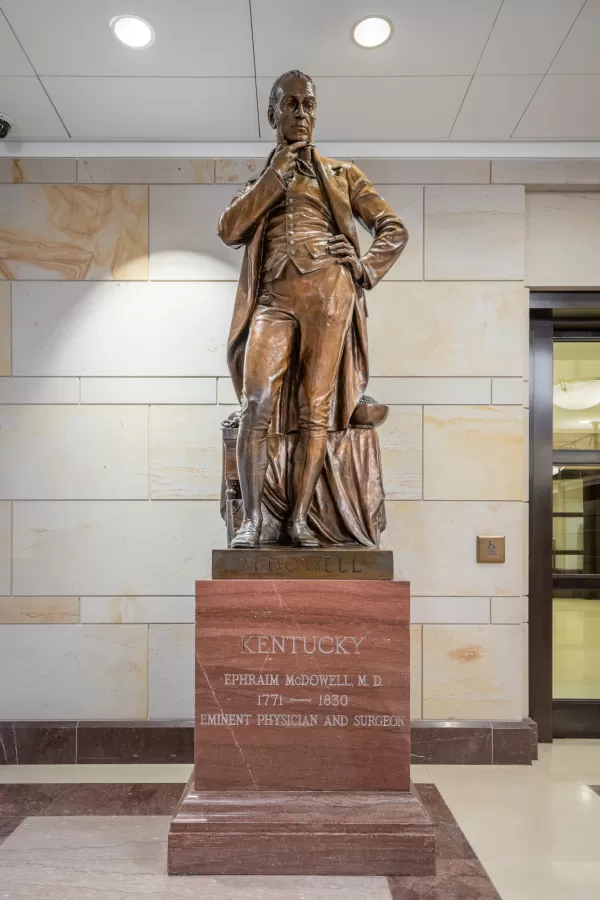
column 295, row 111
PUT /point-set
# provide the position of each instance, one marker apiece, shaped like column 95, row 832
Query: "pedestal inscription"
column 302, row 689
column 302, row 734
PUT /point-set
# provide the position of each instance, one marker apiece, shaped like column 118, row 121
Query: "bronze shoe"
column 248, row 535
column 301, row 535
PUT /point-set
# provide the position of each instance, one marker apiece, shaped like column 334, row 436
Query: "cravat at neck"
column 305, row 154
column 305, row 163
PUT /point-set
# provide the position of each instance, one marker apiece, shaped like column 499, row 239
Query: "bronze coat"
column 350, row 195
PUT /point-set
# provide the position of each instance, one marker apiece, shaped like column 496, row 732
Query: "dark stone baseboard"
column 576, row 719
column 462, row 742
column 456, row 742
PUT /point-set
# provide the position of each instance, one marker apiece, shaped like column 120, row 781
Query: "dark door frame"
column 549, row 316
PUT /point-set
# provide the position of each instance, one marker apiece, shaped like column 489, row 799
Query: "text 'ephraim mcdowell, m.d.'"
column 308, row 460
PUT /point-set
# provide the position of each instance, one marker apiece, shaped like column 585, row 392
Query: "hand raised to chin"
column 285, row 157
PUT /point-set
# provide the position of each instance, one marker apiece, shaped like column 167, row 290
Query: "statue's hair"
column 293, row 73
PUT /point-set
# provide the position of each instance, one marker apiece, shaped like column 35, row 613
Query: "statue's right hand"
column 284, row 158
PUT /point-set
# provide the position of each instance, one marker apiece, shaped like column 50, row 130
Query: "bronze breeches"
column 301, row 319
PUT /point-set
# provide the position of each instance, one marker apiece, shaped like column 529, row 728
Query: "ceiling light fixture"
column 132, row 31
column 372, row 31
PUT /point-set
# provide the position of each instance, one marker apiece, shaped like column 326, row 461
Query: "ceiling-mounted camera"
column 6, row 126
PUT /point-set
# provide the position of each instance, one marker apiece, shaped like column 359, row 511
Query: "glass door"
column 576, row 529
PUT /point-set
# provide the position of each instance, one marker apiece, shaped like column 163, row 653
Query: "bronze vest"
column 298, row 229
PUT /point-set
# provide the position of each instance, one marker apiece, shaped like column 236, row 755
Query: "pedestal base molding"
column 301, row 833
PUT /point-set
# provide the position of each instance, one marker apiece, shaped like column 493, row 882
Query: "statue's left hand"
column 345, row 254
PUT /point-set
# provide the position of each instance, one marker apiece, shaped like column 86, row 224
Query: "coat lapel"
column 338, row 200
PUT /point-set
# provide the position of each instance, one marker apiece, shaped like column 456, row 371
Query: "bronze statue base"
column 326, row 563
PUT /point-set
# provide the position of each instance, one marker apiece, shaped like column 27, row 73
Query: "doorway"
column 565, row 514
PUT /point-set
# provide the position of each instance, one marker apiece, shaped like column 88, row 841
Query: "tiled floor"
column 535, row 830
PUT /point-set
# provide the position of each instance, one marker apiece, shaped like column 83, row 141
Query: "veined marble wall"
column 115, row 300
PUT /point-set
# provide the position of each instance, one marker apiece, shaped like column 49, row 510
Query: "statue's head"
column 293, row 107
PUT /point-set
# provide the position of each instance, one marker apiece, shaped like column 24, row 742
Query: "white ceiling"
column 464, row 70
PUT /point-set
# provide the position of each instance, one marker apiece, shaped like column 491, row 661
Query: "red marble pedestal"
column 302, row 747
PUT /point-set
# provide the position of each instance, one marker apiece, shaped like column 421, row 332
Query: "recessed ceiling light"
column 585, row 422
column 372, row 31
column 132, row 31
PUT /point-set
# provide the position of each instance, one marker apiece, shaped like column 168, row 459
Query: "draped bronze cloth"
column 345, row 508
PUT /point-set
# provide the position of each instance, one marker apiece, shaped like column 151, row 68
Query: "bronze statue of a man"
column 297, row 347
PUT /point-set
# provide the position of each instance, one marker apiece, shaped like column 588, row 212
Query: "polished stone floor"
column 518, row 833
